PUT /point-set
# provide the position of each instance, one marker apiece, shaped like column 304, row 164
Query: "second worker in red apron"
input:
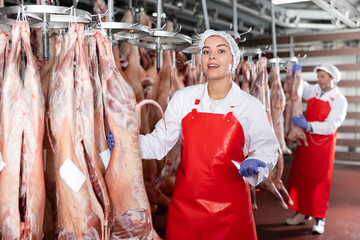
column 311, row 172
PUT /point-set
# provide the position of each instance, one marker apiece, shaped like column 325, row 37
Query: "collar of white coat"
column 205, row 98
column 329, row 95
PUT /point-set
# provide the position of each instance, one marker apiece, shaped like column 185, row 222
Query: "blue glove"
column 250, row 167
column 300, row 121
column 110, row 140
column 296, row 67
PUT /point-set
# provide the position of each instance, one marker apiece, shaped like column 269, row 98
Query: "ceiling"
column 291, row 19
column 295, row 18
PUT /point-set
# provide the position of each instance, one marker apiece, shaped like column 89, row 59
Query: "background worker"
column 311, row 172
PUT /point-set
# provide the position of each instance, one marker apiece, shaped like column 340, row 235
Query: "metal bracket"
column 58, row 17
column 123, row 31
column 165, row 39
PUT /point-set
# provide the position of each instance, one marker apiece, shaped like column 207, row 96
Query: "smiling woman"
column 219, row 124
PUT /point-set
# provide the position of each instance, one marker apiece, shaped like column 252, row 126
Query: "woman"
column 311, row 172
column 218, row 123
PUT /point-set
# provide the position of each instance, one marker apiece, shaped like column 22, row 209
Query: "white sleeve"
column 263, row 144
column 157, row 144
column 334, row 119
column 308, row 90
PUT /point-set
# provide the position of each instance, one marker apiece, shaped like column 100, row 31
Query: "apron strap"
column 196, row 105
column 228, row 115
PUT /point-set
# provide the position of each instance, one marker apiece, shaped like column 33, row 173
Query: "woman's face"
column 325, row 80
column 216, row 58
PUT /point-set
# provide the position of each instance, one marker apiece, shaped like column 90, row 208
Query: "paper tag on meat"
column 2, row 163
column 105, row 157
column 72, row 175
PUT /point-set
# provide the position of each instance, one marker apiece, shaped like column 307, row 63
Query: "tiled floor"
column 343, row 216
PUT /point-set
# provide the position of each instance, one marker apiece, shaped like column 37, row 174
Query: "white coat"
column 260, row 140
column 337, row 103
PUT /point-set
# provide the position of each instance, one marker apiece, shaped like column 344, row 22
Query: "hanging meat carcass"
column 248, row 68
column 273, row 183
column 81, row 205
column 278, row 100
column 86, row 141
column 237, row 73
column 49, row 156
column 22, row 195
column 4, row 41
column 99, row 131
column 100, row 7
column 166, row 179
column 296, row 133
column 257, row 87
column 288, row 80
column 130, row 209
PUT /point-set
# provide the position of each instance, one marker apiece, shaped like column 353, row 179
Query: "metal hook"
column 303, row 57
column 72, row 7
column 242, row 40
column 177, row 31
column 196, row 33
column 162, row 28
column 76, row 3
column 246, row 32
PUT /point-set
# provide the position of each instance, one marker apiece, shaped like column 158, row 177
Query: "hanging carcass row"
column 81, row 208
column 22, row 191
column 130, row 209
column 273, row 183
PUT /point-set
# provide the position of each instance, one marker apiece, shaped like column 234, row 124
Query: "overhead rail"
column 340, row 10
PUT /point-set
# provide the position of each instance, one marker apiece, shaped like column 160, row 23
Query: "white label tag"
column 237, row 164
column 2, row 163
column 105, row 157
column 44, row 159
column 72, row 175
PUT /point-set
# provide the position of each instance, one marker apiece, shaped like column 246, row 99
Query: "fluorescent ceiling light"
column 278, row 2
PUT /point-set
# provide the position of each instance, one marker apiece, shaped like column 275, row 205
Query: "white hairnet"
column 330, row 69
column 235, row 52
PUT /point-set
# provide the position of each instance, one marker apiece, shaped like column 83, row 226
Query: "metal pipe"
column 158, row 54
column 158, row 45
column 111, row 11
column 45, row 38
column 206, row 16
column 273, row 30
column 235, row 17
column 45, row 35
column 292, row 53
column 159, row 13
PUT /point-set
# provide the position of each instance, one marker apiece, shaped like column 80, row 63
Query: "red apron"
column 311, row 171
column 210, row 200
